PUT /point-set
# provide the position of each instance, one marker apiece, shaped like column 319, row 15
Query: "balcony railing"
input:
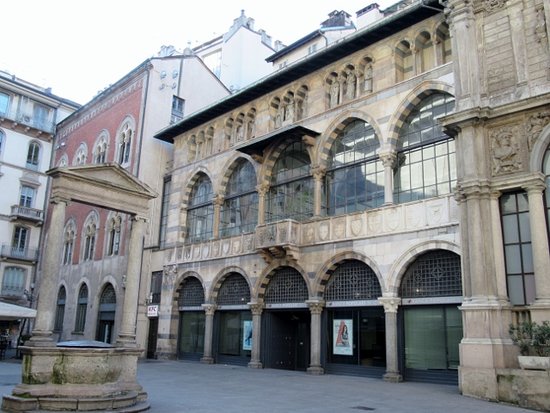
column 17, row 253
column 278, row 239
column 26, row 213
column 19, row 116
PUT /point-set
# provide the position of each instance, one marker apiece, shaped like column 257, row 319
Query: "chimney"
column 368, row 15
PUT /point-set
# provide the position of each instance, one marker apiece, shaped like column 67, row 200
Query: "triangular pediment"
column 106, row 185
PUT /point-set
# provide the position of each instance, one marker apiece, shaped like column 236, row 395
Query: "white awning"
column 15, row 312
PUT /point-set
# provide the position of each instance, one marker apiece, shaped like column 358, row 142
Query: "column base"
column 41, row 339
column 255, row 365
column 315, row 370
column 126, row 342
column 207, row 360
column 393, row 377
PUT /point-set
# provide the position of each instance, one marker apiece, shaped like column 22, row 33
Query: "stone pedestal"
column 78, row 379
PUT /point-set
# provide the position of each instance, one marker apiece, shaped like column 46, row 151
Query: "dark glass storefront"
column 234, row 339
column 356, row 341
column 191, row 337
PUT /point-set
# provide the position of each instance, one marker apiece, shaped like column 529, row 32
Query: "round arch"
column 400, row 266
column 325, row 272
column 410, row 103
column 269, row 272
column 229, row 167
column 220, row 278
column 541, row 143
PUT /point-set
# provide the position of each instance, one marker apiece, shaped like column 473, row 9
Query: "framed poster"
column 342, row 333
column 247, row 335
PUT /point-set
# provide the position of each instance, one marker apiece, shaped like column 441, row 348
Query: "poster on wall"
column 247, row 335
column 343, row 337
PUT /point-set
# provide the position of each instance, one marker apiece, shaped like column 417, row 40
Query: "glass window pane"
column 515, row 289
column 513, row 259
column 454, row 336
column 191, row 332
column 510, row 229
column 508, row 203
column 530, row 293
column 527, row 257
column 524, row 227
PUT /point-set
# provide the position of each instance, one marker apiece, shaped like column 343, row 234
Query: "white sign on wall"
column 153, row 310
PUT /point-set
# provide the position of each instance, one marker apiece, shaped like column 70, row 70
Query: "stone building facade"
column 379, row 208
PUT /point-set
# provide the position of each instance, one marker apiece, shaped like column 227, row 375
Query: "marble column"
column 46, row 306
column 256, row 309
column 262, row 192
column 316, row 309
column 539, row 244
column 218, row 202
column 127, row 332
column 390, row 312
column 209, row 309
column 319, row 173
column 388, row 160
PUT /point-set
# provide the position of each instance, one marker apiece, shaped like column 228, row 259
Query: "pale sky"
column 80, row 47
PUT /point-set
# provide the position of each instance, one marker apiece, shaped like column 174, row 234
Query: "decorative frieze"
column 534, row 126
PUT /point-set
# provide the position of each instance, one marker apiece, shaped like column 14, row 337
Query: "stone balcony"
column 27, row 214
column 288, row 237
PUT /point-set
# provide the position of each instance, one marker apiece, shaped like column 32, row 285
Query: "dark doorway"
column 286, row 340
column 152, row 338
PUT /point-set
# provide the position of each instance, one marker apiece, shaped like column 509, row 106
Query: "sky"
column 79, row 48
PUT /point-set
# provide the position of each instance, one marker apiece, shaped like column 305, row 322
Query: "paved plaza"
column 181, row 387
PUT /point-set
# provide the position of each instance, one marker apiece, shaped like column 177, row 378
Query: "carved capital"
column 390, row 304
column 315, row 306
column 218, row 200
column 318, row 172
column 388, row 159
column 209, row 309
column 256, row 308
column 262, row 188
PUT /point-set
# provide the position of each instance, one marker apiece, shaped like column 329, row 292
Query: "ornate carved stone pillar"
column 127, row 332
column 45, row 314
column 256, row 309
column 388, row 160
column 209, row 310
column 318, row 173
column 217, row 202
column 539, row 244
column 390, row 309
column 262, row 192
column 316, row 309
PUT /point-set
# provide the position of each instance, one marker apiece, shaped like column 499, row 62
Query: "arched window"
column 33, row 156
column 426, row 165
column 355, row 178
column 106, row 316
column 60, row 309
column 81, row 155
column 546, row 172
column 443, row 39
column 191, row 293
column 291, row 193
column 424, row 46
column 234, row 291
column 90, row 232
column 13, row 281
column 239, row 212
column 113, row 233
column 63, row 161
column 68, row 244
column 100, row 150
column 125, row 144
column 404, row 67
column 81, row 308
column 286, row 286
column 353, row 281
column 200, row 212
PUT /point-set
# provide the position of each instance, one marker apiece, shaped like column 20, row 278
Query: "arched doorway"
column 106, row 316
column 355, row 332
column 233, row 322
column 286, row 321
column 192, row 318
column 431, row 291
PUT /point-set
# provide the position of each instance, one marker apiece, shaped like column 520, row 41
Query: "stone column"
column 390, row 312
column 316, row 309
column 127, row 332
column 388, row 160
column 46, row 306
column 209, row 309
column 539, row 244
column 319, row 173
column 256, row 309
column 217, row 202
column 262, row 192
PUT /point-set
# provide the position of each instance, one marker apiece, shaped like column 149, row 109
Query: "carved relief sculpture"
column 368, row 78
column 535, row 125
column 350, row 84
column 540, row 25
column 334, row 93
column 505, row 151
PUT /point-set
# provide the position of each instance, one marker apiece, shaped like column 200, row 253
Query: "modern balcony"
column 24, row 213
column 8, row 252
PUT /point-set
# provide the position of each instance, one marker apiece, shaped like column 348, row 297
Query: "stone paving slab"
column 185, row 387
